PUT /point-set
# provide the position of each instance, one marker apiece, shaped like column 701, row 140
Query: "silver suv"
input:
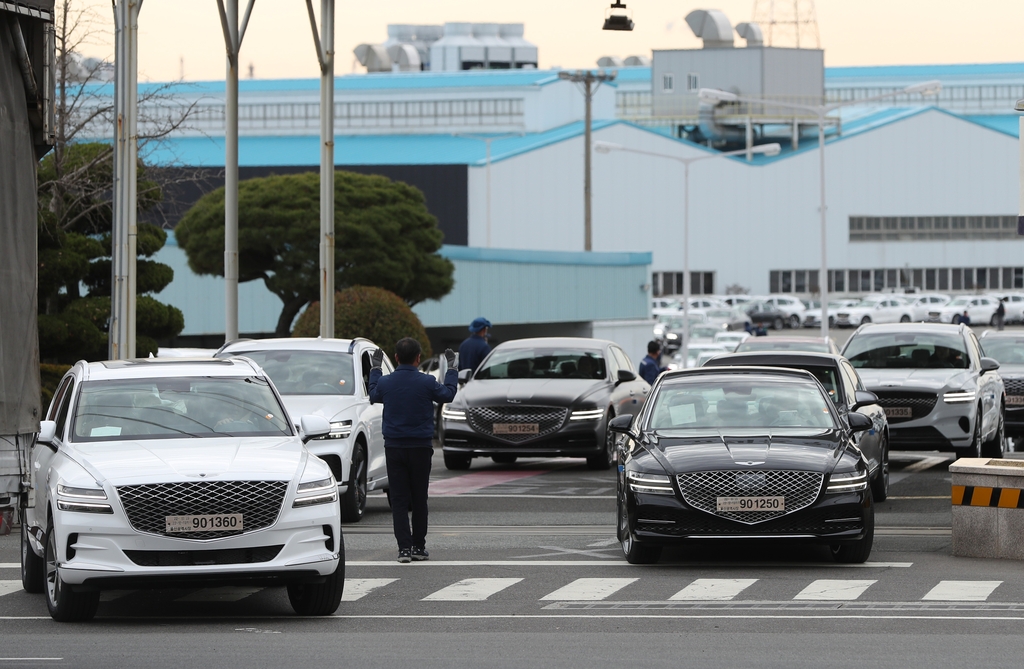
column 937, row 390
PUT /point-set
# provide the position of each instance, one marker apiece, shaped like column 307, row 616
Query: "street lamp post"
column 766, row 149
column 821, row 111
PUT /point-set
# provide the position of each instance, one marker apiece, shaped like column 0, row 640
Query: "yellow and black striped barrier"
column 1002, row 498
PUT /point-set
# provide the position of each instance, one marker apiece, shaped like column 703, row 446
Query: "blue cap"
column 479, row 324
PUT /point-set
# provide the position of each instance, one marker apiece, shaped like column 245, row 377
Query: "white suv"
column 157, row 472
column 794, row 309
column 329, row 378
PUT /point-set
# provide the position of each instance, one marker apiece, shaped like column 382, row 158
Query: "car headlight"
column 340, row 429
column 654, row 484
column 671, row 335
column 587, row 414
column 447, row 413
column 849, row 482
column 314, row 488
column 959, row 397
column 82, row 499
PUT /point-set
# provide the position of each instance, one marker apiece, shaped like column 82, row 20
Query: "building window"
column 667, row 82
column 958, row 279
column 773, row 281
column 919, row 279
column 787, row 282
column 1018, row 277
column 890, row 279
column 800, row 281
column 981, row 277
column 916, row 228
column 692, row 82
column 929, row 279
column 943, row 279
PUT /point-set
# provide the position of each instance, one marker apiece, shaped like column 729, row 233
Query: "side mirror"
column 859, row 422
column 621, row 424
column 863, row 398
column 626, row 375
column 313, row 427
column 465, row 375
column 47, row 433
column 989, row 365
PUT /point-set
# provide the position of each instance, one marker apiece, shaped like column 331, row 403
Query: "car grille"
column 1014, row 393
column 548, row 420
column 204, row 558
column 148, row 505
column 921, row 404
column 817, row 522
column 701, row 490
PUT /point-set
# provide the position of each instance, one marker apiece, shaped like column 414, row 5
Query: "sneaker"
column 404, row 555
column 420, row 554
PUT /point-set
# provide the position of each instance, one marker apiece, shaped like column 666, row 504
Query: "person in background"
column 1001, row 314
column 475, row 348
column 650, row 366
column 408, row 426
column 965, row 318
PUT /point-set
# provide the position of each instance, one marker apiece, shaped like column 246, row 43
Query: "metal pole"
column 686, row 261
column 587, row 238
column 823, row 275
column 327, row 169
column 231, row 174
column 487, row 143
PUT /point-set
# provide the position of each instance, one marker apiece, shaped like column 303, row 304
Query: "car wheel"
column 606, row 458
column 353, row 502
column 320, row 599
column 904, row 319
column 794, row 321
column 635, row 552
column 974, row 450
column 32, row 566
column 865, row 320
column 504, row 459
column 777, row 324
column 995, row 447
column 955, row 320
column 880, row 484
column 456, row 462
column 65, row 605
column 857, row 552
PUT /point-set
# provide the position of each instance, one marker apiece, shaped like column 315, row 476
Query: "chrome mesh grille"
column 1014, row 385
column 148, row 505
column 701, row 490
column 548, row 419
column 921, row 404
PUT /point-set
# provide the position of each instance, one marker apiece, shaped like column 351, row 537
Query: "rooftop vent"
column 751, row 32
column 712, row 26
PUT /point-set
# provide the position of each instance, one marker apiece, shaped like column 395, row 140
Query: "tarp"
column 19, row 336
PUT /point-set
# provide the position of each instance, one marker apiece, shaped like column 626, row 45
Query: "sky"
column 183, row 38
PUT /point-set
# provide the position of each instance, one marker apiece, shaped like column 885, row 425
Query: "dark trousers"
column 408, row 479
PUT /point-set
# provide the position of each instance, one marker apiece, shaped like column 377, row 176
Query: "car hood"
column 221, row 458
column 328, row 406
column 1011, row 371
column 927, row 379
column 538, row 392
column 734, row 450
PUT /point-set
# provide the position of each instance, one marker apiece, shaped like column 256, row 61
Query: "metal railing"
column 983, row 98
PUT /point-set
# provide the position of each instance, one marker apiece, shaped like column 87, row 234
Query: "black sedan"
column 742, row 453
column 844, row 386
column 766, row 314
column 1008, row 349
column 545, row 397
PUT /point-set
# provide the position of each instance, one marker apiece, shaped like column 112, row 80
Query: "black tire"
column 904, row 319
column 606, row 458
column 794, row 321
column 353, row 502
column 880, row 484
column 778, row 324
column 974, row 450
column 955, row 320
column 995, row 447
column 857, row 552
column 504, row 459
column 64, row 604
column 33, row 568
column 865, row 320
column 320, row 599
column 635, row 552
column 456, row 462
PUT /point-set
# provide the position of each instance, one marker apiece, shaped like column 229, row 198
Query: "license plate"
column 225, row 522
column 751, row 503
column 1015, row 400
column 898, row 412
column 517, row 428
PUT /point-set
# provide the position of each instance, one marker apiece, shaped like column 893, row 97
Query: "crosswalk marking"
column 828, row 589
column 962, row 591
column 589, row 589
column 224, row 594
column 717, row 589
column 471, row 590
column 357, row 588
column 7, row 587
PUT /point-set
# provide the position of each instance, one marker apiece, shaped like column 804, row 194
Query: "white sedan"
column 981, row 309
column 921, row 304
column 158, row 472
column 879, row 309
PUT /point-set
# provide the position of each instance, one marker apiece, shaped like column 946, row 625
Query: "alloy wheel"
column 52, row 573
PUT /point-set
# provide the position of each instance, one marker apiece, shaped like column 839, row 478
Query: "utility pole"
column 587, row 79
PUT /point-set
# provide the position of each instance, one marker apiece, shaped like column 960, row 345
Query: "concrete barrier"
column 988, row 508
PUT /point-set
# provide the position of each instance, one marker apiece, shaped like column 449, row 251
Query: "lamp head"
column 714, row 95
column 767, row 149
column 1019, row 106
column 618, row 21
column 925, row 88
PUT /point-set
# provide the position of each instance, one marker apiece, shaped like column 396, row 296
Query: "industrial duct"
column 637, row 61
column 406, row 57
column 751, row 32
column 712, row 26
column 610, row 62
column 373, row 57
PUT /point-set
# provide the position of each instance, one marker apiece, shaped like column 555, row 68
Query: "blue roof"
column 924, row 71
column 544, row 257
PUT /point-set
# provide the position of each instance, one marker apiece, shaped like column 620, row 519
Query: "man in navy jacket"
column 408, row 396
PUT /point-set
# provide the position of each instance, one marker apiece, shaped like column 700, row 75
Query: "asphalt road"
column 524, row 571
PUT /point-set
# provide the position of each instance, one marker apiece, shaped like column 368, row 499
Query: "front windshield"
column 726, row 403
column 768, row 344
column 543, row 363
column 908, row 350
column 704, row 332
column 959, row 302
column 719, row 313
column 1006, row 351
column 866, row 304
column 166, row 408
column 307, row 372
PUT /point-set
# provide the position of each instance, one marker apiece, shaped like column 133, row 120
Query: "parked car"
column 674, row 322
column 880, row 309
column 922, row 303
column 544, row 397
column 794, row 309
column 703, row 333
column 729, row 318
column 767, row 314
column 1014, row 304
column 1007, row 348
column 694, row 352
column 842, row 383
column 792, row 344
column 938, row 391
column 329, row 378
column 753, row 453
column 156, row 472
column 980, row 308
column 813, row 317
column 727, row 338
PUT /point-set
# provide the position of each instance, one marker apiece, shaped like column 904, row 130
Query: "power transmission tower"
column 788, row 23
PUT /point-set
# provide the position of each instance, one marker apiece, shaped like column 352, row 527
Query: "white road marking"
column 716, row 589
column 962, row 591
column 10, row 565
column 225, row 594
column 589, row 589
column 7, row 587
column 604, row 542
column 834, row 590
column 558, row 550
column 471, row 590
column 926, row 463
column 623, row 563
column 357, row 588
